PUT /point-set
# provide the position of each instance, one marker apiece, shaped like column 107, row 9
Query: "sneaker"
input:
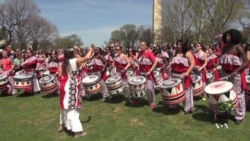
column 80, row 135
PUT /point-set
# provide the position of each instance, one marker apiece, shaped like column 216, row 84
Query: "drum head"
column 20, row 72
column 248, row 79
column 129, row 73
column 23, row 76
column 170, row 83
column 46, row 79
column 3, row 76
column 137, row 80
column 113, row 79
column 91, row 79
column 219, row 87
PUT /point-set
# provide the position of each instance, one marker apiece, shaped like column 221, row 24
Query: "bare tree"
column 15, row 14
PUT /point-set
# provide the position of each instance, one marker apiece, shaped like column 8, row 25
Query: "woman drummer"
column 212, row 63
column 201, row 63
column 182, row 65
column 70, row 99
column 122, row 63
column 97, row 65
column 234, row 61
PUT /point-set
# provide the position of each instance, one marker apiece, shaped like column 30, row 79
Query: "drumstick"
column 218, row 85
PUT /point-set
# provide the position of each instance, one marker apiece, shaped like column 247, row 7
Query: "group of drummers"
column 217, row 73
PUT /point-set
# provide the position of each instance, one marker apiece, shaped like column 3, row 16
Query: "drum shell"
column 49, row 86
column 4, row 81
column 115, row 87
column 173, row 94
column 215, row 104
column 23, row 83
column 138, row 89
column 224, row 96
column 198, row 86
column 92, row 87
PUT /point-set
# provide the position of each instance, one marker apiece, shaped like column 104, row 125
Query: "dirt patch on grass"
column 117, row 110
column 135, row 121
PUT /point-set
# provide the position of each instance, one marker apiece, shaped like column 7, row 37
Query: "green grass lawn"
column 36, row 118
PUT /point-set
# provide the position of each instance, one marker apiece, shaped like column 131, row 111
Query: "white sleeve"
column 73, row 64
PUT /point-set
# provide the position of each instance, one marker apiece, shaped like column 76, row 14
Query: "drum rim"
column 143, row 82
column 91, row 83
column 171, row 86
column 108, row 82
column 219, row 93
column 26, row 78
column 5, row 76
column 51, row 79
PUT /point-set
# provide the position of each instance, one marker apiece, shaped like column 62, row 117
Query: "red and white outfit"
column 180, row 65
column 212, row 61
column 199, row 61
column 160, row 69
column 110, row 68
column 146, row 60
column 231, row 62
column 7, row 66
column 53, row 67
column 29, row 65
column 95, row 67
column 120, row 64
column 70, row 98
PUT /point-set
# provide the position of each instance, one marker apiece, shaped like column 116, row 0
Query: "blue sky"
column 94, row 20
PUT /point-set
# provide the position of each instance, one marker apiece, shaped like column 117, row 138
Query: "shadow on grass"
column 23, row 94
column 93, row 97
column 49, row 95
column 164, row 109
column 115, row 99
column 204, row 114
column 86, row 121
column 140, row 103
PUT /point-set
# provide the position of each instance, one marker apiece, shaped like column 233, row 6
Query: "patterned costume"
column 199, row 61
column 95, row 67
column 29, row 65
column 180, row 65
column 120, row 64
column 70, row 99
column 229, row 63
column 7, row 65
column 211, row 66
column 146, row 60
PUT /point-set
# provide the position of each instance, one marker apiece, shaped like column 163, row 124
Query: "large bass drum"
column 221, row 96
column 172, row 91
column 48, row 84
column 115, row 84
column 91, row 84
column 137, row 85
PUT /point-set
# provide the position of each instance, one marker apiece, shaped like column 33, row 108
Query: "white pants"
column 72, row 121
